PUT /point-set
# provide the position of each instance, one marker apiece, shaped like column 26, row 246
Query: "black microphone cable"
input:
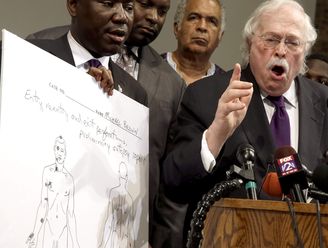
column 320, row 234
column 294, row 222
column 195, row 236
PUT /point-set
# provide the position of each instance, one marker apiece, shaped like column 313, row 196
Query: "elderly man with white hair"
column 218, row 114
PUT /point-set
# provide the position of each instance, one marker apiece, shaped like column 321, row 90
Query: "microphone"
column 319, row 195
column 290, row 172
column 320, row 177
column 308, row 173
column 271, row 185
column 246, row 157
column 325, row 156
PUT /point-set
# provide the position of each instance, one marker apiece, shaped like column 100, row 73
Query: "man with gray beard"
column 218, row 114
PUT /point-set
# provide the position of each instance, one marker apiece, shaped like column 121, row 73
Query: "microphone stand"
column 297, row 193
column 250, row 185
column 245, row 155
column 247, row 175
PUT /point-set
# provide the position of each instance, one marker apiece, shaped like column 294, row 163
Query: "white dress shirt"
column 82, row 55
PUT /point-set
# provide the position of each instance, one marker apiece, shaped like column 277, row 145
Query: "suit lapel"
column 256, row 125
column 310, row 122
column 118, row 76
column 148, row 77
column 62, row 50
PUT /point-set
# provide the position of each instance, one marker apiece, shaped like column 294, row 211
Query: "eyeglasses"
column 293, row 44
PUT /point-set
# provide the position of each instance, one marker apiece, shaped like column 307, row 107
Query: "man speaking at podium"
column 218, row 114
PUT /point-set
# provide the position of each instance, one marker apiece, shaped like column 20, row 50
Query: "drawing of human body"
column 118, row 229
column 55, row 223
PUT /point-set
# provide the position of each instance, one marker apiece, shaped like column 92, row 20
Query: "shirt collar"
column 135, row 51
column 171, row 62
column 82, row 55
column 289, row 95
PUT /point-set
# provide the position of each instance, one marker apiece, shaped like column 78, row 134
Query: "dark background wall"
column 321, row 24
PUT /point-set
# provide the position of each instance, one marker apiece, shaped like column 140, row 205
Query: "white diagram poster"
column 73, row 161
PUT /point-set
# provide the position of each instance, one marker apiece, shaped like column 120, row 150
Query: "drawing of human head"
column 60, row 150
column 123, row 171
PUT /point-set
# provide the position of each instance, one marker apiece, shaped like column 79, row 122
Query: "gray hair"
column 179, row 13
column 270, row 6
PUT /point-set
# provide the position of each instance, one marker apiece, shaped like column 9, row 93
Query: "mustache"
column 278, row 62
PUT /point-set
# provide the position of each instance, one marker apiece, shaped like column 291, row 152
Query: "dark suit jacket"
column 165, row 90
column 49, row 33
column 61, row 49
column 170, row 215
column 183, row 170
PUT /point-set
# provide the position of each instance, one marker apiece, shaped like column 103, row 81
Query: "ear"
column 221, row 35
column 175, row 29
column 249, row 44
column 220, row 38
column 72, row 7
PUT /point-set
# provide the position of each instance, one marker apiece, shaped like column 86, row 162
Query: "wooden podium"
column 254, row 224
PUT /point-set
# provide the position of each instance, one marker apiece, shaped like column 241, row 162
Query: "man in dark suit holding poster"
column 163, row 86
column 213, row 121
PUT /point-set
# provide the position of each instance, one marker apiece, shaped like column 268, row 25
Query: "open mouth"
column 117, row 36
column 278, row 70
column 118, row 32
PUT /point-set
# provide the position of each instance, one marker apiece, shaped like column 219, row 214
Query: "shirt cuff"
column 207, row 157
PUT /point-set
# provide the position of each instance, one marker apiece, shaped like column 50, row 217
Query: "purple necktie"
column 279, row 124
column 94, row 63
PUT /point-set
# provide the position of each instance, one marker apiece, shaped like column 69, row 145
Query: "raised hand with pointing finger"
column 230, row 112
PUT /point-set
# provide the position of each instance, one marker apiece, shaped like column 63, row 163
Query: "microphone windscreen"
column 284, row 151
column 289, row 168
column 290, row 172
column 271, row 185
column 320, row 177
column 245, row 153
